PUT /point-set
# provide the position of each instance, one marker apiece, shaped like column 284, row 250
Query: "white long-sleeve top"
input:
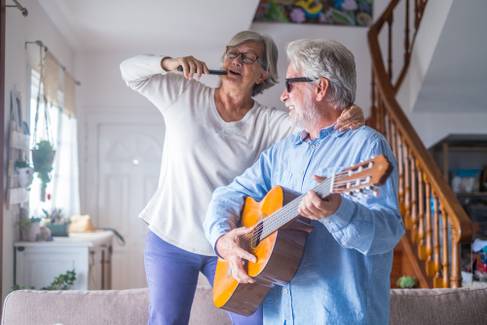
column 201, row 151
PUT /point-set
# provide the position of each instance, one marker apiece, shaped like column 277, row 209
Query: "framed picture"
column 327, row 12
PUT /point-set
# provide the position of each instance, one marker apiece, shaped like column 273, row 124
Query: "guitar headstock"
column 362, row 176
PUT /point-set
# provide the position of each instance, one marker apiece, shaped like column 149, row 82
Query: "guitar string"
column 284, row 212
column 287, row 213
column 284, row 215
column 280, row 218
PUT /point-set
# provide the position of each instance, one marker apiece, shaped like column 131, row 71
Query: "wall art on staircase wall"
column 328, row 12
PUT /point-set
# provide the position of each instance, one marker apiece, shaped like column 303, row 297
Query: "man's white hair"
column 328, row 59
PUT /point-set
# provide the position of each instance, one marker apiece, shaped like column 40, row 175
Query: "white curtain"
column 65, row 177
column 63, row 190
column 51, row 75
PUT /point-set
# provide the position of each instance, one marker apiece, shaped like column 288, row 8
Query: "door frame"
column 2, row 133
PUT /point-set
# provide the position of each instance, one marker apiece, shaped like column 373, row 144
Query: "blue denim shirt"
column 344, row 276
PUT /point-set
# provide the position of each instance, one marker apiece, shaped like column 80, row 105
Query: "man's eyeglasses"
column 245, row 58
column 290, row 81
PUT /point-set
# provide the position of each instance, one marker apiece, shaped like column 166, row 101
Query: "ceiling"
column 122, row 25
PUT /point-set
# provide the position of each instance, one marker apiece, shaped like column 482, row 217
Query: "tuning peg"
column 366, row 191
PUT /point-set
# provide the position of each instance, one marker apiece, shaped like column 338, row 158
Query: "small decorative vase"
column 45, row 233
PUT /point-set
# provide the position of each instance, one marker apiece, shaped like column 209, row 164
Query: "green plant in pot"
column 29, row 229
column 407, row 282
column 43, row 159
column 56, row 222
column 21, row 164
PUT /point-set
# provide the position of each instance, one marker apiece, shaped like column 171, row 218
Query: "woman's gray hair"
column 328, row 59
column 268, row 62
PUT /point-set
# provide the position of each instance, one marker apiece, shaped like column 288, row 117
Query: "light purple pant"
column 172, row 275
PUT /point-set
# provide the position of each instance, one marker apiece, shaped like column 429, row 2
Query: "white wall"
column 444, row 91
column 20, row 29
column 432, row 127
column 431, row 28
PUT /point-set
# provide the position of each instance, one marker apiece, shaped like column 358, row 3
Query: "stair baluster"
column 435, row 222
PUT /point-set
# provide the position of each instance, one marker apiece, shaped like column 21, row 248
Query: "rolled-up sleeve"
column 369, row 224
column 226, row 203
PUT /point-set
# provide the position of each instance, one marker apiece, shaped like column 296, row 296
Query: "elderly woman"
column 212, row 135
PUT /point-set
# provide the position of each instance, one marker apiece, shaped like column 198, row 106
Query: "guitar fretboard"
column 284, row 215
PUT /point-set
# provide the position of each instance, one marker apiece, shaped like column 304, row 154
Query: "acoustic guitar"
column 279, row 234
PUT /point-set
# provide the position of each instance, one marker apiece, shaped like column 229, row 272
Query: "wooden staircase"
column 435, row 222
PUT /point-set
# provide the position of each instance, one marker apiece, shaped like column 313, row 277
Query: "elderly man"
column 343, row 277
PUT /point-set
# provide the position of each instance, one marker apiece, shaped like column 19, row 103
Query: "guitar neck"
column 363, row 176
column 290, row 211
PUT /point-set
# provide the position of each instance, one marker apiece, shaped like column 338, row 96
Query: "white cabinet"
column 89, row 254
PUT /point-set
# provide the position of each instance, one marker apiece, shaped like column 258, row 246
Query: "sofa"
column 408, row 306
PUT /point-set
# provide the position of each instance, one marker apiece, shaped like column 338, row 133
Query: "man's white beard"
column 306, row 118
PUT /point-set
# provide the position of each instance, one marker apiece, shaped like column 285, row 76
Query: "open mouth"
column 234, row 73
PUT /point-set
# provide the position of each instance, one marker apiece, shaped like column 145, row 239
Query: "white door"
column 126, row 155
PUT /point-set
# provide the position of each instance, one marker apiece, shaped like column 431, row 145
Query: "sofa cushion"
column 439, row 306
column 26, row 307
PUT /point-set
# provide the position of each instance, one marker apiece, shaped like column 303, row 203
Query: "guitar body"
column 278, row 256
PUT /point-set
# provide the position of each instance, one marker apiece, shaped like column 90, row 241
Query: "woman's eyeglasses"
column 245, row 58
column 290, row 81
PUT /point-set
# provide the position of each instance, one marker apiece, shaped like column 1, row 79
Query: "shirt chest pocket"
column 285, row 176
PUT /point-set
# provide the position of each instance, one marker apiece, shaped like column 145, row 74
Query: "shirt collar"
column 302, row 135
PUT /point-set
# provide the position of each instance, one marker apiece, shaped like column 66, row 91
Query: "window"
column 55, row 125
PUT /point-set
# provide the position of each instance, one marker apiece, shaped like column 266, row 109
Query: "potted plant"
column 407, row 282
column 43, row 159
column 56, row 222
column 30, row 229
column 25, row 173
